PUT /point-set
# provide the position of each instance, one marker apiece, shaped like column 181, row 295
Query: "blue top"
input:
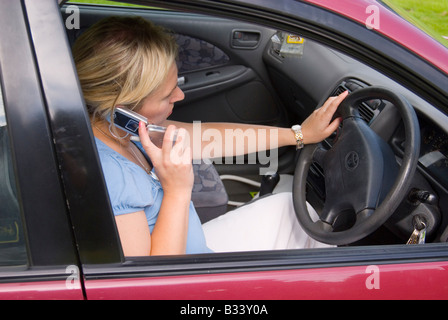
column 131, row 189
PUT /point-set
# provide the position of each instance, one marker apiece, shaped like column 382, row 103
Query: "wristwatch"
column 297, row 129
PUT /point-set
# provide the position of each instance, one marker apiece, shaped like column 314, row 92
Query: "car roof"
column 392, row 26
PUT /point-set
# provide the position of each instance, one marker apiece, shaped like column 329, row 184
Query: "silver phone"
column 128, row 120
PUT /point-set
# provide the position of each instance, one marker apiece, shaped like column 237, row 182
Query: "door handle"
column 245, row 39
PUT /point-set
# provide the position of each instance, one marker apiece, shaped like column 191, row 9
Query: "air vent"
column 366, row 113
column 339, row 90
column 367, row 110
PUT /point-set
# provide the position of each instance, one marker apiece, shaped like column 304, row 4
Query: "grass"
column 106, row 2
column 429, row 15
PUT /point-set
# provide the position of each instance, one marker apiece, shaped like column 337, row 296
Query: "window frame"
column 38, row 181
column 267, row 259
column 197, row 264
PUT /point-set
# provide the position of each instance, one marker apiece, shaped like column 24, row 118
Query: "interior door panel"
column 231, row 93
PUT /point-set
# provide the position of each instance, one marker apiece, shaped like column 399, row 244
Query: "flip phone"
column 129, row 120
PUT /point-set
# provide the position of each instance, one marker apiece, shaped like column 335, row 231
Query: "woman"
column 130, row 62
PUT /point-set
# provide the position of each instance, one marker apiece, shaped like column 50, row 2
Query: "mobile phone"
column 128, row 120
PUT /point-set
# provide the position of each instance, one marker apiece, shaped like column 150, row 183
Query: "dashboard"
column 434, row 151
column 434, row 141
column 307, row 77
column 302, row 94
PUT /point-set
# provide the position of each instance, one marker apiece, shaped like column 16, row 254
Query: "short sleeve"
column 130, row 190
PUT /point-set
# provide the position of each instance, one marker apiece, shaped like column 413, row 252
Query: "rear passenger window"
column 195, row 54
column 12, row 244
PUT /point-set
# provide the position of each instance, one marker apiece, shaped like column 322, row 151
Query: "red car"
column 255, row 61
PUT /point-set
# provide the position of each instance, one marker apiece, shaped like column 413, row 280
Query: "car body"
column 59, row 239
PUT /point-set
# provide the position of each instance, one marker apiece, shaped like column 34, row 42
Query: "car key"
column 418, row 236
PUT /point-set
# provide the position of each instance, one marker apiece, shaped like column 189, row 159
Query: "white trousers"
column 269, row 223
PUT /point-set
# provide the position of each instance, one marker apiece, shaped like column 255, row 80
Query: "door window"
column 12, row 244
column 195, row 54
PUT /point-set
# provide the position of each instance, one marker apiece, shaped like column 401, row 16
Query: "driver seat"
column 211, row 199
column 209, row 195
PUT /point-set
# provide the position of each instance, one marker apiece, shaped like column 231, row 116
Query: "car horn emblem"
column 351, row 161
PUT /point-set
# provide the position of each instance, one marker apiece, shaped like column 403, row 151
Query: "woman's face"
column 158, row 106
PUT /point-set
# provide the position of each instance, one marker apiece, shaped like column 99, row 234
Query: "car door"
column 72, row 244
column 346, row 272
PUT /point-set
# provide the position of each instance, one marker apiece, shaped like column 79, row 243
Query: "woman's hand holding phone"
column 172, row 161
column 173, row 165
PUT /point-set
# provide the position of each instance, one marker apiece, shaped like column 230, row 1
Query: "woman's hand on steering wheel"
column 320, row 124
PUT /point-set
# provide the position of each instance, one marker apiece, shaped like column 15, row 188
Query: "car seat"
column 209, row 195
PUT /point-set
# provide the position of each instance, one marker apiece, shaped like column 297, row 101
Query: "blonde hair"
column 121, row 61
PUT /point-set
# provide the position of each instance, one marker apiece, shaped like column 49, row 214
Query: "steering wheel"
column 363, row 182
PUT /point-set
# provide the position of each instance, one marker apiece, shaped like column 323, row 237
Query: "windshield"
column 429, row 15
